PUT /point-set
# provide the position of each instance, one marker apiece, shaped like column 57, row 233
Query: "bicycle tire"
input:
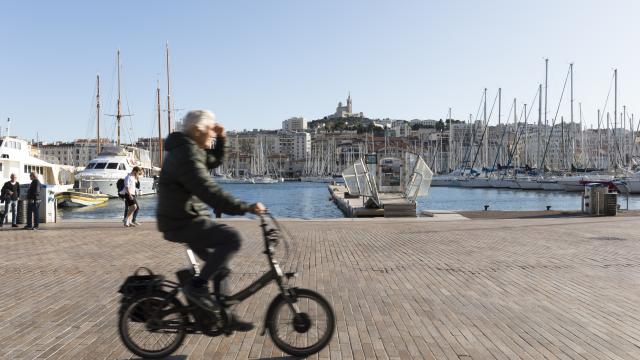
column 301, row 351
column 133, row 312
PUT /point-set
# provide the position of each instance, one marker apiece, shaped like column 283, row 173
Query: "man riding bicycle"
column 185, row 188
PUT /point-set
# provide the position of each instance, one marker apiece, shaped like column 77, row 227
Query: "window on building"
column 101, row 165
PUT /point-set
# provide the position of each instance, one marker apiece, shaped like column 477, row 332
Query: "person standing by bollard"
column 10, row 194
column 33, row 203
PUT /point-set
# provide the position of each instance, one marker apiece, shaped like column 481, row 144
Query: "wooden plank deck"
column 401, row 288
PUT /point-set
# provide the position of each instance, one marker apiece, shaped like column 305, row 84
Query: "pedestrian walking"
column 33, row 203
column 10, row 193
column 129, row 192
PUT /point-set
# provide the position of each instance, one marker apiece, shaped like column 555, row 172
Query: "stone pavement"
column 401, row 289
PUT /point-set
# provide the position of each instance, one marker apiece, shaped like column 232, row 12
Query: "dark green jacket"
column 185, row 184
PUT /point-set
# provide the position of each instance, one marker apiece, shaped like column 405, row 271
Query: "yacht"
column 226, row 179
column 264, row 180
column 115, row 163
column 317, row 179
column 16, row 158
column 630, row 184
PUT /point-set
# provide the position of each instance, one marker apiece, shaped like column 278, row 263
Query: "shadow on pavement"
column 172, row 357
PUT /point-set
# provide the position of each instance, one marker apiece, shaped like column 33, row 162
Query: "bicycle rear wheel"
column 306, row 332
column 148, row 333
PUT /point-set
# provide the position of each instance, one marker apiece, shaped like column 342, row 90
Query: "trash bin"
column 611, row 204
column 21, row 212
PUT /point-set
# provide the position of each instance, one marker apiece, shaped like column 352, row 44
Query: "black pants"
column 214, row 243
column 33, row 212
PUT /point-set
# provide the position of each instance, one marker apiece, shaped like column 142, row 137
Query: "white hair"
column 197, row 119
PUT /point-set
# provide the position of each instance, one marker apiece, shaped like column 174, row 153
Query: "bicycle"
column 153, row 322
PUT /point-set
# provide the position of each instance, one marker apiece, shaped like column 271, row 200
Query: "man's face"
column 204, row 137
column 13, row 177
column 32, row 177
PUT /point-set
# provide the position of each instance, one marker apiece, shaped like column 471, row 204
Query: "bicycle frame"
column 274, row 274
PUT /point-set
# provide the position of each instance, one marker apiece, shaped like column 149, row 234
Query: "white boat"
column 576, row 183
column 16, row 158
column 445, row 180
column 113, row 163
column 476, row 182
column 629, row 185
column 317, row 179
column 550, row 184
column 529, row 184
column 224, row 179
column 264, row 180
column 500, row 182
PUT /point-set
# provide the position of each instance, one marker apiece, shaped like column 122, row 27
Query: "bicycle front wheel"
column 305, row 331
column 149, row 327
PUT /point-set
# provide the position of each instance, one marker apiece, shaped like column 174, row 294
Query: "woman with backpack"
column 129, row 193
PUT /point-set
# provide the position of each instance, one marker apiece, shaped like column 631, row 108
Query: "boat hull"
column 631, row 186
column 79, row 199
column 108, row 186
column 529, row 185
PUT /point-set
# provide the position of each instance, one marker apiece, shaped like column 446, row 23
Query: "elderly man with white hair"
column 185, row 188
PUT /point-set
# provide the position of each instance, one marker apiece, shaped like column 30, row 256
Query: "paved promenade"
column 401, row 289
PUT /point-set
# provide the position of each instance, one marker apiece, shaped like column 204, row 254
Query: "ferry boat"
column 16, row 158
column 113, row 163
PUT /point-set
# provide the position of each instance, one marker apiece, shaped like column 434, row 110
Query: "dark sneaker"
column 28, row 228
column 239, row 325
column 14, row 225
column 200, row 296
column 35, row 228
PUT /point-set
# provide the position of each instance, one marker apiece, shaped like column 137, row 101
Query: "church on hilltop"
column 345, row 111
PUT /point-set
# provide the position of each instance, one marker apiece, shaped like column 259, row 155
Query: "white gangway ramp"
column 360, row 182
column 419, row 179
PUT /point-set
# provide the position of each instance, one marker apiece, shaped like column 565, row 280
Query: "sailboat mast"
column 119, row 113
column 514, row 151
column 168, row 94
column 526, row 136
column 98, row 114
column 539, row 125
column 499, row 114
column 449, row 161
column 159, row 125
column 615, row 112
column 570, row 130
column 485, row 142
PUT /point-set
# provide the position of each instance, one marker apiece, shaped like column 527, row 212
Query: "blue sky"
column 256, row 63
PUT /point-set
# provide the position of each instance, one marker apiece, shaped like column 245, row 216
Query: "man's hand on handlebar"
column 257, row 208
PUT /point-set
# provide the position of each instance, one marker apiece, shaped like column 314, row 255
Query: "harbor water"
column 311, row 201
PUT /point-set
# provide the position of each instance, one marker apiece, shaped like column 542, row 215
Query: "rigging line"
column 546, row 148
column 502, row 138
column 516, row 140
column 467, row 153
column 486, row 125
column 604, row 109
column 92, row 110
